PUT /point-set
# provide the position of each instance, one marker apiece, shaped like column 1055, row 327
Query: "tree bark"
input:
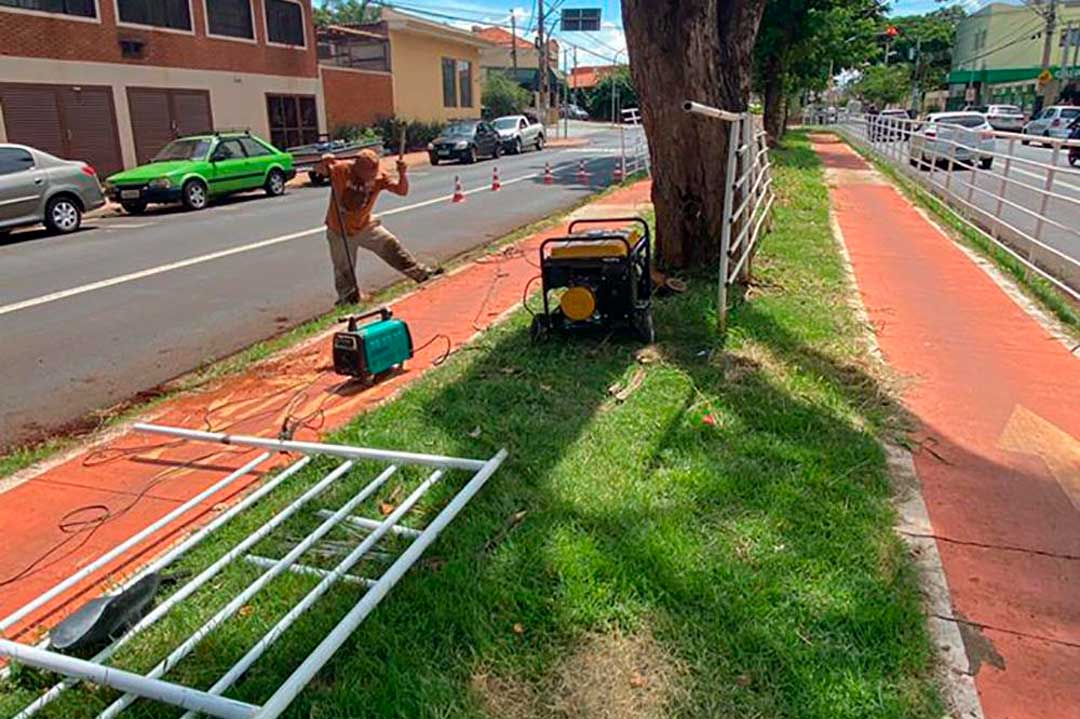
column 774, row 97
column 697, row 50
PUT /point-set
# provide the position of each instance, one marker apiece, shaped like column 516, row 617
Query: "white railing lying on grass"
column 1024, row 198
column 748, row 197
column 211, row 701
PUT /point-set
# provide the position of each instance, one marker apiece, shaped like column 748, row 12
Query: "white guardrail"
column 1018, row 190
column 748, row 197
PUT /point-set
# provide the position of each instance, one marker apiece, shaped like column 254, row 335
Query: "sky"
column 593, row 48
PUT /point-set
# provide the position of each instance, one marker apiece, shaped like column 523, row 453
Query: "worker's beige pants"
column 379, row 240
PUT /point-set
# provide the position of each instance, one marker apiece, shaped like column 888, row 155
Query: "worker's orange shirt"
column 354, row 201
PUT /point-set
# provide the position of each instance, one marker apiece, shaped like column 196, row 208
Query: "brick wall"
column 37, row 36
column 354, row 97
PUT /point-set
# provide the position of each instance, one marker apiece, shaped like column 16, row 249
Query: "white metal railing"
column 1018, row 190
column 748, row 197
column 633, row 145
column 150, row 685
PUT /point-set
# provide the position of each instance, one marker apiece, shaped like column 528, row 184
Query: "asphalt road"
column 1023, row 197
column 127, row 303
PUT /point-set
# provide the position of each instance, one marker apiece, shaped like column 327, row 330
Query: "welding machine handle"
column 383, row 313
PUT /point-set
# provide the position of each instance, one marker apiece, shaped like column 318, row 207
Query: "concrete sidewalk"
column 997, row 401
column 58, row 518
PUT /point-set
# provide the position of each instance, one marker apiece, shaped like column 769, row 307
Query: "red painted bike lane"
column 997, row 401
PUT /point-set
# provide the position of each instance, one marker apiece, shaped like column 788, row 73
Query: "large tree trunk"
column 774, row 87
column 689, row 50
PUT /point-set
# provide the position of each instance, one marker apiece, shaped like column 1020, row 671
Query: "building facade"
column 112, row 81
column 402, row 66
column 997, row 55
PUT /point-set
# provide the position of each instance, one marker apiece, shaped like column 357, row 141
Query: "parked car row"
column 36, row 187
column 466, row 141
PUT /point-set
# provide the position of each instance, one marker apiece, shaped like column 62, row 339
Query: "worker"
column 355, row 185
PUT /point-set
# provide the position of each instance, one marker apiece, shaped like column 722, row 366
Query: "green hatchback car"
column 193, row 170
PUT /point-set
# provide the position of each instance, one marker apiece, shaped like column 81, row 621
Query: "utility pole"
column 513, row 42
column 566, row 93
column 1067, row 41
column 915, row 75
column 574, row 74
column 543, row 64
column 1050, row 16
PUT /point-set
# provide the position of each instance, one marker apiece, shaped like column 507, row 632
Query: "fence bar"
column 134, row 684
column 329, row 580
column 311, row 666
column 189, row 588
column 365, row 523
column 306, row 569
column 188, row 645
column 336, row 450
column 119, row 549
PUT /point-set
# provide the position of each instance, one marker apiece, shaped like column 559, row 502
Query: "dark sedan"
column 465, row 141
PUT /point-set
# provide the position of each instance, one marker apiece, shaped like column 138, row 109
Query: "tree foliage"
column 502, row 96
column 801, row 40
column 885, row 85
column 345, row 12
column 598, row 98
column 937, row 33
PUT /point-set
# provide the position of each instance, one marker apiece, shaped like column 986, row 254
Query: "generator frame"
column 634, row 311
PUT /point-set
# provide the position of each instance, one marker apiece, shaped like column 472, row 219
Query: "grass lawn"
column 718, row 544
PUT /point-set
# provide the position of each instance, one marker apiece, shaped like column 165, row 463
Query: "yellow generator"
column 600, row 280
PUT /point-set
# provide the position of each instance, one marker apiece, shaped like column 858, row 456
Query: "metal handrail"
column 1022, row 231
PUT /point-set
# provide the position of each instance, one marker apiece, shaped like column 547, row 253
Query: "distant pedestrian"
column 354, row 187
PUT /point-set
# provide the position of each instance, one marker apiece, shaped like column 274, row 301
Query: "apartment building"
column 112, row 81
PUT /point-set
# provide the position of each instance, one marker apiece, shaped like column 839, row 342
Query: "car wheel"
column 134, row 207
column 469, row 157
column 63, row 214
column 539, row 142
column 1073, row 159
column 275, row 183
column 518, row 147
column 316, row 179
column 433, row 159
column 195, row 195
column 497, row 152
column 986, row 163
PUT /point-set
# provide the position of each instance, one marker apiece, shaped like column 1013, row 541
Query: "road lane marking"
column 191, row 261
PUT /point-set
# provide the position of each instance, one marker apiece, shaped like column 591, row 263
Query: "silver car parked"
column 518, row 132
column 963, row 137
column 37, row 187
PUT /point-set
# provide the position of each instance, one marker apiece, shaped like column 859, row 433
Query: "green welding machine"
column 371, row 349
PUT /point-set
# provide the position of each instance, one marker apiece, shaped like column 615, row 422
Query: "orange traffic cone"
column 582, row 173
column 496, row 184
column 459, row 191
column 549, row 179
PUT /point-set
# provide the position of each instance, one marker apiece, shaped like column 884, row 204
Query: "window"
column 1070, row 113
column 183, row 150
column 293, row 120
column 13, row 160
column 464, row 70
column 173, row 14
column 449, row 83
column 253, row 147
column 231, row 18
column 284, row 22
column 78, row 8
column 356, row 52
column 228, row 150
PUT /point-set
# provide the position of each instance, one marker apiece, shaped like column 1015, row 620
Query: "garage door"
column 159, row 115
column 74, row 122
